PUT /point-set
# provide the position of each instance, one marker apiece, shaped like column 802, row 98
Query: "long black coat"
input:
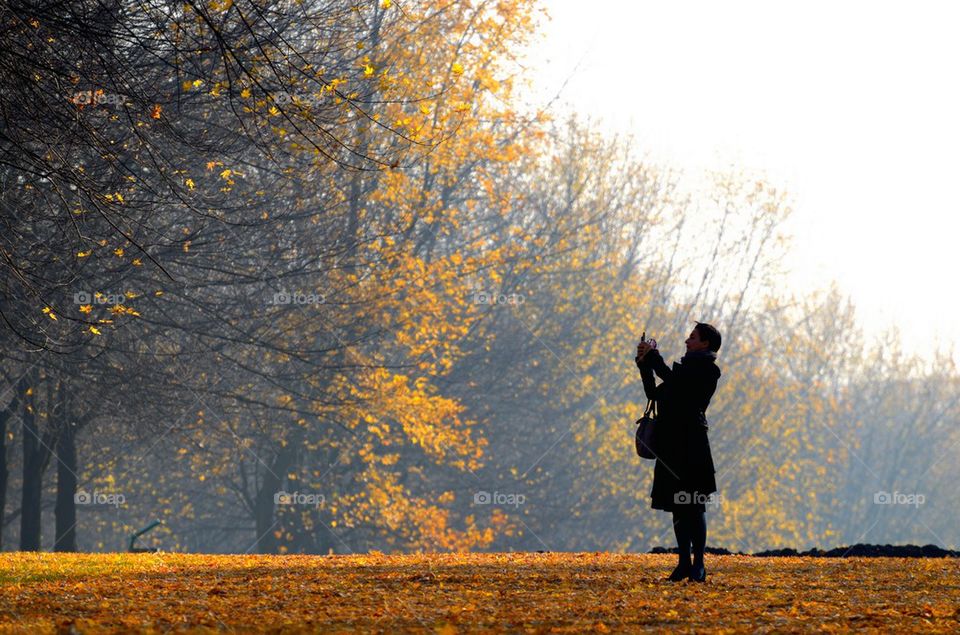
column 684, row 462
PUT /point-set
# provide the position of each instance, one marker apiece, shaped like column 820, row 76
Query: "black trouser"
column 690, row 527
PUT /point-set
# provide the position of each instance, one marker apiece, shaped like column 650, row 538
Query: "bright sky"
column 853, row 107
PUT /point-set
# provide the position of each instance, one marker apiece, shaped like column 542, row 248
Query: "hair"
column 710, row 334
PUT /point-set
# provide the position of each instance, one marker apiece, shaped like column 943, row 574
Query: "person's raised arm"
column 654, row 360
column 646, row 374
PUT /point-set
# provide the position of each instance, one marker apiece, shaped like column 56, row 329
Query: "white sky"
column 853, row 107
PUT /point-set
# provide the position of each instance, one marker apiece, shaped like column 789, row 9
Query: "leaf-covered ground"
column 448, row 593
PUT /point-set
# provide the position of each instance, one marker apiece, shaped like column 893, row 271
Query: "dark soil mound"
column 856, row 551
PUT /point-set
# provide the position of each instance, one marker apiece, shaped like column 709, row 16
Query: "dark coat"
column 684, row 462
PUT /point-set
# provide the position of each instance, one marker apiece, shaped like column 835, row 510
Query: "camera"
column 652, row 343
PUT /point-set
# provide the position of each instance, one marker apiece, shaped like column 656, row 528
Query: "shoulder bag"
column 646, row 426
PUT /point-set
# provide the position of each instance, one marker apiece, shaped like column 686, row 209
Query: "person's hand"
column 642, row 349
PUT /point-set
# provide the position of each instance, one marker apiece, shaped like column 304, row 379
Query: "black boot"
column 682, row 571
column 698, row 573
column 698, row 535
column 681, row 530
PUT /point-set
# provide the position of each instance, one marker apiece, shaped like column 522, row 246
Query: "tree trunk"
column 5, row 415
column 272, row 480
column 33, row 461
column 66, row 509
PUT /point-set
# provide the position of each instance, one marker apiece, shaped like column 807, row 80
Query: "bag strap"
column 651, row 407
